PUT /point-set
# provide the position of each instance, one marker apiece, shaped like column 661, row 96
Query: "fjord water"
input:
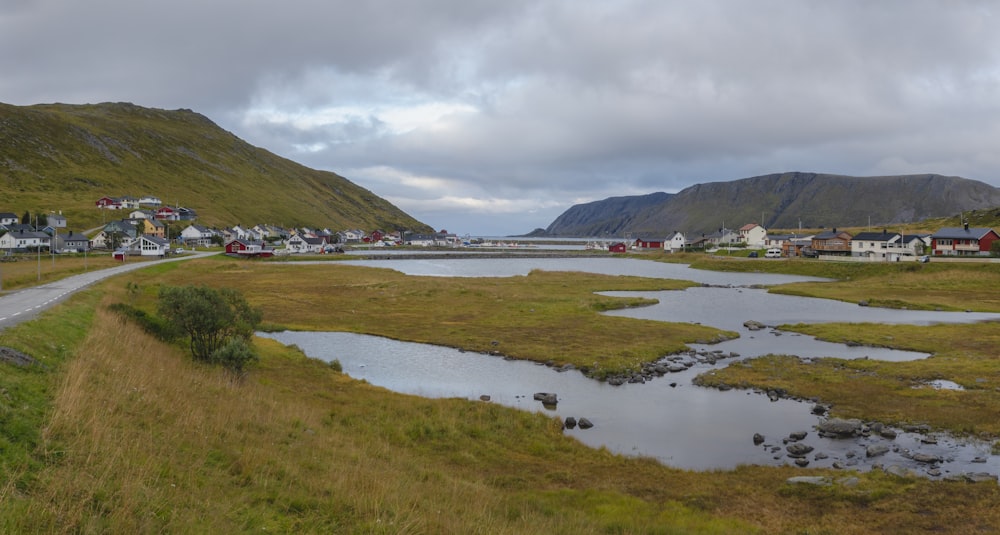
column 668, row 418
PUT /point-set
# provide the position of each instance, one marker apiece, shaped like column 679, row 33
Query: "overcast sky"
column 493, row 117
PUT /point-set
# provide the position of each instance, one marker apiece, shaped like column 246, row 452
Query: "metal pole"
column 38, row 251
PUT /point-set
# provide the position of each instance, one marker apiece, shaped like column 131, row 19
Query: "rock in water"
column 840, row 427
column 546, row 398
column 798, row 449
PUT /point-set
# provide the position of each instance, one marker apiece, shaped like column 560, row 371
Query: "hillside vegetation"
column 784, row 200
column 58, row 157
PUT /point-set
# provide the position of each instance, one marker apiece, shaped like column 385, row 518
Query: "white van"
column 773, row 253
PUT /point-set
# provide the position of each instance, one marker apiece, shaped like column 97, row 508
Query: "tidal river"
column 668, row 418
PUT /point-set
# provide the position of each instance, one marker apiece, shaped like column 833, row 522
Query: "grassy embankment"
column 119, row 432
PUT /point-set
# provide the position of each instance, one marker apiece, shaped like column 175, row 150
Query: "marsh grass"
column 541, row 317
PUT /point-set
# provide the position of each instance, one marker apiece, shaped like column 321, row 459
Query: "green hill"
column 57, row 157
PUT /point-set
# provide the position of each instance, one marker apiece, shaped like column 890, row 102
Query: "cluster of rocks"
column 837, row 428
column 672, row 364
column 550, row 400
column 572, row 422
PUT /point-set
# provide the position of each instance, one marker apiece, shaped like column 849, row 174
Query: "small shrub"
column 337, row 367
column 236, row 356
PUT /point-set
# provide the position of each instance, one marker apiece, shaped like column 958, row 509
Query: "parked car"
column 924, row 259
column 773, row 253
column 752, row 254
column 809, row 252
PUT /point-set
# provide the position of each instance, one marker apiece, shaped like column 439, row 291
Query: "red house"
column 963, row 241
column 248, row 249
column 167, row 213
column 375, row 236
column 617, row 248
column 648, row 243
column 109, row 203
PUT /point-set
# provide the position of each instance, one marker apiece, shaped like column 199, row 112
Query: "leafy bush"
column 236, row 356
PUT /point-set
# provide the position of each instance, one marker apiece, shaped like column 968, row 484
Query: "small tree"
column 211, row 317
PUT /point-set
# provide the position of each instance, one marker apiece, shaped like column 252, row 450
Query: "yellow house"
column 152, row 227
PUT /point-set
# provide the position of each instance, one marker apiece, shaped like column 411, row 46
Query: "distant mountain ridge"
column 780, row 200
column 60, row 157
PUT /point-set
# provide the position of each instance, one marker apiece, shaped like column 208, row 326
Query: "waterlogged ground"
column 667, row 418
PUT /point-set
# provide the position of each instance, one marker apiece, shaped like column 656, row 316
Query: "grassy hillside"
column 58, row 157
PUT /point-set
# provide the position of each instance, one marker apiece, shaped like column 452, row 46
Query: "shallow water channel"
column 667, row 418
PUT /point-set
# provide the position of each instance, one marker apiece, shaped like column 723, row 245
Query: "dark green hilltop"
column 63, row 158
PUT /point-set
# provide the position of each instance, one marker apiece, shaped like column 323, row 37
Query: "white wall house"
column 21, row 240
column 754, row 235
column 886, row 246
column 674, row 243
column 152, row 245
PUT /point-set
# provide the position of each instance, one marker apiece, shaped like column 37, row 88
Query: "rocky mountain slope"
column 57, row 157
column 783, row 200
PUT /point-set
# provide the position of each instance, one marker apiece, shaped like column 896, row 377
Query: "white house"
column 305, row 244
column 197, row 236
column 152, row 245
column 886, row 246
column 754, row 235
column 23, row 240
column 674, row 243
column 142, row 214
column 149, row 200
column 8, row 218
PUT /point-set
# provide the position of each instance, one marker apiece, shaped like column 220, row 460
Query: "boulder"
column 798, row 435
column 585, row 423
column 798, row 449
column 840, row 427
column 15, row 357
column 754, row 325
column 546, row 398
column 874, row 450
column 570, row 422
column 925, row 458
column 758, row 439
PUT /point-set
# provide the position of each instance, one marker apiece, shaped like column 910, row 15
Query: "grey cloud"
column 564, row 100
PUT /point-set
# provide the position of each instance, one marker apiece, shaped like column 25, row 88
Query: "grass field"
column 119, row 432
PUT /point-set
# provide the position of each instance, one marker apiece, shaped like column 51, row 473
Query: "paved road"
column 25, row 304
